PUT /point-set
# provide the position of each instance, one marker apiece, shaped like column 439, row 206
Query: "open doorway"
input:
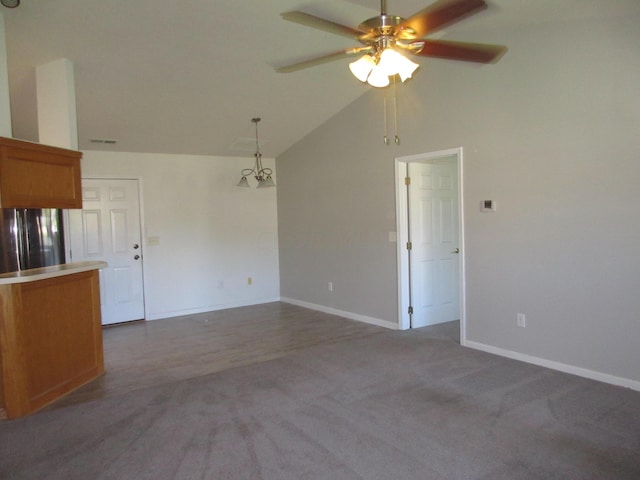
column 430, row 239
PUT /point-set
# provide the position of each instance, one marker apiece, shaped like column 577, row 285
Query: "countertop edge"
column 35, row 274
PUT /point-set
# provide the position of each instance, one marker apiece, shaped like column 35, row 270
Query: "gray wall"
column 551, row 133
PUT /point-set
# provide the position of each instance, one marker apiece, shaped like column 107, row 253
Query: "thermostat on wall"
column 488, row 205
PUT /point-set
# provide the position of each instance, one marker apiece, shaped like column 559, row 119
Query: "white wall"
column 213, row 235
column 551, row 134
column 5, row 110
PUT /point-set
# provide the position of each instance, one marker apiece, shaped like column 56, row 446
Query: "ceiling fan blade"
column 330, row 57
column 321, row 24
column 468, row 52
column 440, row 14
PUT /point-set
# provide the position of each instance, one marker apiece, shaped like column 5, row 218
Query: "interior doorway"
column 430, row 239
column 109, row 228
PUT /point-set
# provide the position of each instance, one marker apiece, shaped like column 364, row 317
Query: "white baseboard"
column 208, row 308
column 342, row 313
column 562, row 367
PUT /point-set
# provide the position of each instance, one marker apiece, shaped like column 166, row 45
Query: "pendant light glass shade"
column 389, row 61
column 378, row 78
column 394, row 63
column 362, row 67
column 406, row 68
column 243, row 182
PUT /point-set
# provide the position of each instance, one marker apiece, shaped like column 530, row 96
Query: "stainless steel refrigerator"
column 31, row 238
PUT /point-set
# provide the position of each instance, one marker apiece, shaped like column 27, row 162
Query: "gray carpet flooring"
column 394, row 405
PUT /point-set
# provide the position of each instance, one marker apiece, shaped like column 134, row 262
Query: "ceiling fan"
column 386, row 37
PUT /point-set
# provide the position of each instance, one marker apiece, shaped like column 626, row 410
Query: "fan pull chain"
column 395, row 111
column 396, row 138
column 384, row 106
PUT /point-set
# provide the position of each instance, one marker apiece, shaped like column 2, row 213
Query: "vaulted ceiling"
column 187, row 76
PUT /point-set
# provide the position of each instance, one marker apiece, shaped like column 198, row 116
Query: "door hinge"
column 409, row 245
column 407, row 181
column 410, row 310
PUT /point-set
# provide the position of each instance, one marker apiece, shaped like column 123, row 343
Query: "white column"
column 55, row 87
column 5, row 107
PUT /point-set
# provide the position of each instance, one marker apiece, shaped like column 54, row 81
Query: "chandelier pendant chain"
column 255, row 121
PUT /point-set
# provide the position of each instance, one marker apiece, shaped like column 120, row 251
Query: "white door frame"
column 67, row 223
column 402, row 225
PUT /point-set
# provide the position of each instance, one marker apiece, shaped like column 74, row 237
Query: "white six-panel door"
column 434, row 256
column 108, row 228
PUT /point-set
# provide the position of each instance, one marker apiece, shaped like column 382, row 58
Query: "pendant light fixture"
column 260, row 173
column 10, row 3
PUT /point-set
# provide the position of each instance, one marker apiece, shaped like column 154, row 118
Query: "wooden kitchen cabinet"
column 38, row 176
column 50, row 335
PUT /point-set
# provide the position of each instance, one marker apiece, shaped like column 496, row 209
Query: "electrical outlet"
column 330, row 286
column 521, row 320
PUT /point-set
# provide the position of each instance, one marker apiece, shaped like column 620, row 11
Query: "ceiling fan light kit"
column 387, row 38
column 376, row 71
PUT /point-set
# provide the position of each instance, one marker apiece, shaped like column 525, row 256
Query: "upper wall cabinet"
column 38, row 176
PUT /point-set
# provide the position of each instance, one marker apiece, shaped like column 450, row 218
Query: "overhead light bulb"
column 378, row 78
column 268, row 182
column 390, row 61
column 394, row 63
column 362, row 67
column 407, row 67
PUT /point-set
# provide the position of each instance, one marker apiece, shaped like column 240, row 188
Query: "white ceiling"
column 187, row 76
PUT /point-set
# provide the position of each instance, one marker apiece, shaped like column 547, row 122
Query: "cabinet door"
column 38, row 176
column 50, row 340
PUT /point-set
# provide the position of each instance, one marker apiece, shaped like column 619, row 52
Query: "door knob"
column 136, row 246
column 137, row 257
column 455, row 250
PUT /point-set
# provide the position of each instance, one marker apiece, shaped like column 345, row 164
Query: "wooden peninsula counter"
column 50, row 334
